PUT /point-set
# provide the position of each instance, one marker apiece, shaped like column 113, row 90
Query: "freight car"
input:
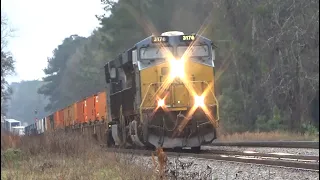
column 160, row 93
column 80, row 114
column 31, row 129
column 39, row 127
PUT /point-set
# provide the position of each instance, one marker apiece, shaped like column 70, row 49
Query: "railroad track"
column 276, row 144
column 271, row 159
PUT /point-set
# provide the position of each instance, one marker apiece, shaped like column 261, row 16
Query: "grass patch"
column 66, row 156
column 95, row 167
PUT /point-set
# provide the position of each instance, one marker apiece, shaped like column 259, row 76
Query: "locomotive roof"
column 11, row 120
column 171, row 38
column 175, row 39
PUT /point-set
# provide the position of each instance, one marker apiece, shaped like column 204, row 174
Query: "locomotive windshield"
column 193, row 51
column 158, row 49
column 151, row 53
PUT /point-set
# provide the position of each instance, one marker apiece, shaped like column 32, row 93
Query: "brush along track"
column 280, row 160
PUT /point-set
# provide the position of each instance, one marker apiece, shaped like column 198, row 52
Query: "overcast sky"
column 41, row 25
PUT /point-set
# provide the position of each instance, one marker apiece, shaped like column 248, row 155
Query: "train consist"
column 159, row 93
column 87, row 111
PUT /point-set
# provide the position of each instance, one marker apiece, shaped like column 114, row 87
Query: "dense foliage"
column 267, row 58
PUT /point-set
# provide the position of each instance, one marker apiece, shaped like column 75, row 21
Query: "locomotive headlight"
column 177, row 68
column 160, row 102
column 199, row 101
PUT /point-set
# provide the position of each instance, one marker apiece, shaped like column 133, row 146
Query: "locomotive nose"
column 177, row 68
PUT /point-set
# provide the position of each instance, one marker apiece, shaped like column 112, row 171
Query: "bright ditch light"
column 199, row 101
column 160, row 102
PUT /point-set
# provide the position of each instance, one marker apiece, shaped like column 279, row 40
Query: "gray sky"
column 41, row 25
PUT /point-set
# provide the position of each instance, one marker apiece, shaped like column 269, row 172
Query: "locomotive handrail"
column 151, row 84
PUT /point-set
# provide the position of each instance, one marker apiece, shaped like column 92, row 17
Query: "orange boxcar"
column 95, row 108
column 89, row 108
column 75, row 114
column 101, row 108
column 65, row 116
column 55, row 119
column 58, row 119
column 80, row 112
column 61, row 118
column 68, row 115
column 48, row 124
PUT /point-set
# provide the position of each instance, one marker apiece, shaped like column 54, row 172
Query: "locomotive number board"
column 159, row 39
column 165, row 39
column 187, row 38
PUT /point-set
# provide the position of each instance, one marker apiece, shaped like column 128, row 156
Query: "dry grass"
column 102, row 166
column 8, row 140
column 66, row 156
column 267, row 136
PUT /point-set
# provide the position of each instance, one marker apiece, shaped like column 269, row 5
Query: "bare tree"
column 7, row 62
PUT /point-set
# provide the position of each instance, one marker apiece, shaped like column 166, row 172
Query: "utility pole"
column 35, row 119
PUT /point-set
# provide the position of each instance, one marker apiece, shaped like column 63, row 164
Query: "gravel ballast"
column 296, row 151
column 193, row 168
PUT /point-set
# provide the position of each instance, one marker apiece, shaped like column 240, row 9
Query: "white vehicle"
column 18, row 130
column 10, row 123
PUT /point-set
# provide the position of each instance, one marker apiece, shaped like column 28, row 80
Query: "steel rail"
column 277, row 144
column 258, row 154
column 295, row 163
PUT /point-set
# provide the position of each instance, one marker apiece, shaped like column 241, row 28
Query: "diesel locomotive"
column 160, row 93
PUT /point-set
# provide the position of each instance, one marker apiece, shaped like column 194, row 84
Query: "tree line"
column 267, row 60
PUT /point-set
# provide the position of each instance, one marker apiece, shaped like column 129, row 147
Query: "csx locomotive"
column 159, row 93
